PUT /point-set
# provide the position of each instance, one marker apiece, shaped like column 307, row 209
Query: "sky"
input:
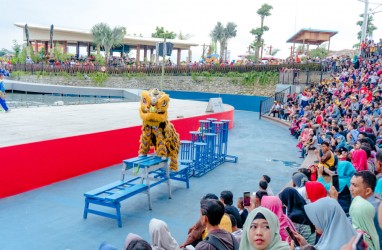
column 196, row 17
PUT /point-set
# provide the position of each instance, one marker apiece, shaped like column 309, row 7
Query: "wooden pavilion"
column 39, row 36
column 311, row 37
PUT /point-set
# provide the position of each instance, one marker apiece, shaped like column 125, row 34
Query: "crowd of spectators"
column 338, row 127
column 331, row 202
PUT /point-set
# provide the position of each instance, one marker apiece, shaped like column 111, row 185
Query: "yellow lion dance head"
column 154, row 104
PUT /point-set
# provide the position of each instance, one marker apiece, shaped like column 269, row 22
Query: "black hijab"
column 295, row 203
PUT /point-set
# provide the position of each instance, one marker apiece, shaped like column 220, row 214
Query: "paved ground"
column 51, row 217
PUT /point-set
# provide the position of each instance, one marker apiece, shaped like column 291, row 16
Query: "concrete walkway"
column 51, row 217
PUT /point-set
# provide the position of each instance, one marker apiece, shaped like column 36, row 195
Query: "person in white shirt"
column 268, row 180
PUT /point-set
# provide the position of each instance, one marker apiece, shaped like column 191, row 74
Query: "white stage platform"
column 25, row 125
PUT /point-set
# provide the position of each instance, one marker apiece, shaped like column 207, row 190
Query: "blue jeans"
column 303, row 152
column 3, row 104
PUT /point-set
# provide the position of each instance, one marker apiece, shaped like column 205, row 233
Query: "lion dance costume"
column 157, row 131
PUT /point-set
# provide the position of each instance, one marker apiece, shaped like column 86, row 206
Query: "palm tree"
column 230, row 32
column 222, row 35
column 264, row 11
column 217, row 35
column 106, row 37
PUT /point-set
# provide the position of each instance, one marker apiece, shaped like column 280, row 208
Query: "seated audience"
column 160, row 236
column 274, row 204
column 315, row 191
column 268, row 180
column 236, row 232
column 262, row 231
column 345, row 173
column 362, row 216
column 211, row 213
column 242, row 210
column 331, row 222
column 295, row 203
column 135, row 242
column 198, row 232
column 227, row 198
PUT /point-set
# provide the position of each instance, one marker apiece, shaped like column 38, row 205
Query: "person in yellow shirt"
column 327, row 160
column 198, row 232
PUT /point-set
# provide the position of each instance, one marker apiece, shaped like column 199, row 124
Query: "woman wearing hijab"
column 378, row 187
column 362, row 214
column 359, row 160
column 274, row 204
column 315, row 190
column 161, row 238
column 261, row 232
column 341, row 142
column 134, row 241
column 299, row 179
column 331, row 221
column 295, row 203
column 345, row 172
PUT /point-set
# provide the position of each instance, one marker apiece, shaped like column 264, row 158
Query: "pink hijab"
column 359, row 160
column 274, row 204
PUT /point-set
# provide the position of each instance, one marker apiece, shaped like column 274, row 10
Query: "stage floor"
column 24, row 125
column 51, row 217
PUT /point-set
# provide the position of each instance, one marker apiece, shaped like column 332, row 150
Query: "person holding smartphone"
column 345, row 171
column 331, row 222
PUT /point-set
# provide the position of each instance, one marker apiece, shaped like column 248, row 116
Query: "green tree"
column 106, row 37
column 160, row 32
column 320, row 52
column 16, row 48
column 182, row 36
column 222, row 35
column 264, row 11
column 275, row 51
column 370, row 26
column 4, row 52
column 230, row 32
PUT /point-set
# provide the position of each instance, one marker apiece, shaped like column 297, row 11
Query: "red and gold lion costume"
column 157, row 131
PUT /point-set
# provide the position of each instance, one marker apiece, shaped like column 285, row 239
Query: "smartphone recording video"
column 247, row 199
column 358, row 243
column 335, row 182
column 291, row 235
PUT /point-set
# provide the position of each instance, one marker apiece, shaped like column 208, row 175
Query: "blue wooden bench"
column 143, row 169
column 183, row 174
column 110, row 196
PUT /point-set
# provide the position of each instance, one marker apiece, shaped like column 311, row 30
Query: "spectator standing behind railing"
column 28, row 60
column 2, row 95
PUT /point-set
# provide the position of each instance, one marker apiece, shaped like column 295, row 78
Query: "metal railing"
column 296, row 76
column 29, row 99
column 266, row 104
column 156, row 70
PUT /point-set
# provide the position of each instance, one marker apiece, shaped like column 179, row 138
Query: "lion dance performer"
column 157, row 131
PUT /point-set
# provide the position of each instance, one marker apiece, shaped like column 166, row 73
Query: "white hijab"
column 130, row 237
column 161, row 238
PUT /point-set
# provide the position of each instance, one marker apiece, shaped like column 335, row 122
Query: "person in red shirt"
column 369, row 96
column 319, row 117
column 363, row 89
